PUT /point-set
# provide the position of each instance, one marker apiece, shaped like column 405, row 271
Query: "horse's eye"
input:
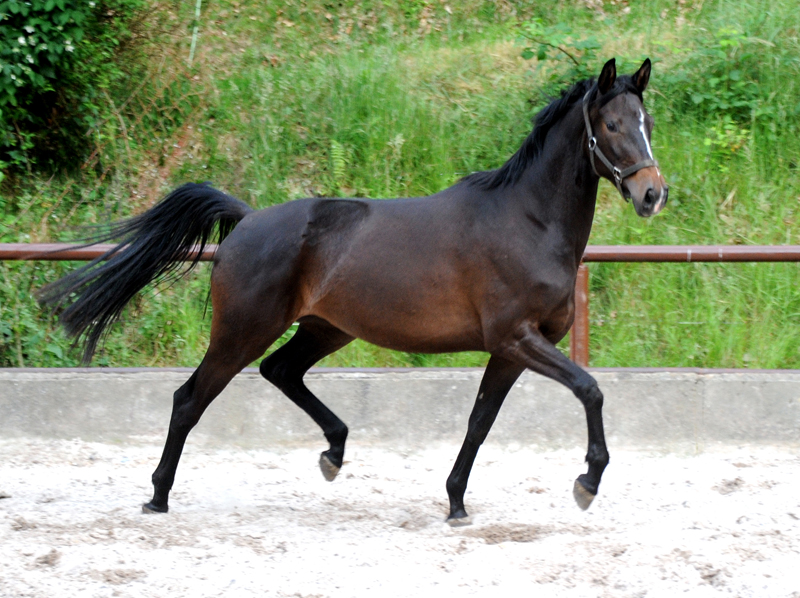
column 611, row 127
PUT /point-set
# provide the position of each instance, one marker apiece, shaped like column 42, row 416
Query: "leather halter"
column 619, row 175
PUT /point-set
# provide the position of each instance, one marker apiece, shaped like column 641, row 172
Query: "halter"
column 619, row 175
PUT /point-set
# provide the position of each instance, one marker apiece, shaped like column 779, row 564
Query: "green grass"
column 411, row 99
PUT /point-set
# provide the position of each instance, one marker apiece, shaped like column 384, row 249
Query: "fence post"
column 579, row 334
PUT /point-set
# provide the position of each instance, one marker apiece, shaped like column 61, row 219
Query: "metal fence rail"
column 579, row 335
column 67, row 252
column 692, row 253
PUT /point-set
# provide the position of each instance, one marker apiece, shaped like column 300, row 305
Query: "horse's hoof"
column 459, row 519
column 150, row 508
column 329, row 470
column 582, row 496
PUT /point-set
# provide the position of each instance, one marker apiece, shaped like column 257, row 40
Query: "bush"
column 59, row 59
column 718, row 75
column 573, row 55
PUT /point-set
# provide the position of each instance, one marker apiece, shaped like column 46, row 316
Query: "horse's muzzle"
column 647, row 193
column 654, row 202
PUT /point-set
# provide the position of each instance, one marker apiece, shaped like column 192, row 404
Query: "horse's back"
column 389, row 271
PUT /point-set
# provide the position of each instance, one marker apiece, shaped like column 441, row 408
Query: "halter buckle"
column 592, row 143
column 617, row 175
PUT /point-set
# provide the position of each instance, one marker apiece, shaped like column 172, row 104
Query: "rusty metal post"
column 579, row 334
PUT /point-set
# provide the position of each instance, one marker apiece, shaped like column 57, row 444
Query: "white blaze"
column 644, row 134
column 660, row 202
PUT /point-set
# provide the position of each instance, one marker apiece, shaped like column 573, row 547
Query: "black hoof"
column 150, row 508
column 583, row 496
column 329, row 470
column 459, row 518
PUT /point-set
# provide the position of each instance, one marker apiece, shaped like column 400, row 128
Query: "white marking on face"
column 659, row 203
column 644, row 134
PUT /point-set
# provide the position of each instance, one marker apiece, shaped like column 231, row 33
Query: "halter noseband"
column 619, row 175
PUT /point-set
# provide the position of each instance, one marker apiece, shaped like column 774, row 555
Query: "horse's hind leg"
column 229, row 351
column 286, row 367
column 498, row 379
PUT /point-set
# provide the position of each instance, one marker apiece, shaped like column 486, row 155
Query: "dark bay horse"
column 488, row 264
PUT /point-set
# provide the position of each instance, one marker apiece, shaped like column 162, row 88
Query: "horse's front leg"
column 530, row 347
column 498, row 379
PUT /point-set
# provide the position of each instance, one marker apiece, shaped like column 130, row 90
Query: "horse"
column 488, row 264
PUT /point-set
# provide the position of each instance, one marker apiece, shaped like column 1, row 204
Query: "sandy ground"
column 261, row 523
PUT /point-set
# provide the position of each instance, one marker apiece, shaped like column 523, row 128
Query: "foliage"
column 384, row 99
column 572, row 55
column 58, row 60
column 718, row 75
column 725, row 138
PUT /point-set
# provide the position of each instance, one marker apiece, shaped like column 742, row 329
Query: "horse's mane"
column 511, row 171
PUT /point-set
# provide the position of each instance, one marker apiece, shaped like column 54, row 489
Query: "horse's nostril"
column 649, row 198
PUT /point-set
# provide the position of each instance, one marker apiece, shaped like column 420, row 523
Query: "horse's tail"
column 151, row 246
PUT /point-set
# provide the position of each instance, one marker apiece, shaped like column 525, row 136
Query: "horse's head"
column 618, row 132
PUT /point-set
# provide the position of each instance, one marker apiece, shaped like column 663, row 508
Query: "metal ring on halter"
column 592, row 143
column 617, row 175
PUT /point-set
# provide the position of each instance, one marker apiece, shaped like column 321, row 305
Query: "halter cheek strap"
column 619, row 175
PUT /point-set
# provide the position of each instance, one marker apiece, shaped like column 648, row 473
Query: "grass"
column 289, row 100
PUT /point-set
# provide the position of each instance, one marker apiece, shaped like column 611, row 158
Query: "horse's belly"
column 423, row 341
column 416, row 329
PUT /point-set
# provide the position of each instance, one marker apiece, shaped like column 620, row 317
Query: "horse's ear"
column 607, row 76
column 642, row 76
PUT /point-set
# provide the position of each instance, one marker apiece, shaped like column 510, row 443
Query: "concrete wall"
column 681, row 410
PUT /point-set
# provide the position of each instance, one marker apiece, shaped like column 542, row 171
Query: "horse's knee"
column 477, row 435
column 589, row 394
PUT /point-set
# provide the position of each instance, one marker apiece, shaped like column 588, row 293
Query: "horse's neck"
column 561, row 187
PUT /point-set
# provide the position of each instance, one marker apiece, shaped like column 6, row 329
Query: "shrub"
column 718, row 75
column 573, row 55
column 59, row 59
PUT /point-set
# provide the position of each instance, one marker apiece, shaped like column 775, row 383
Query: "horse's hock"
column 685, row 411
